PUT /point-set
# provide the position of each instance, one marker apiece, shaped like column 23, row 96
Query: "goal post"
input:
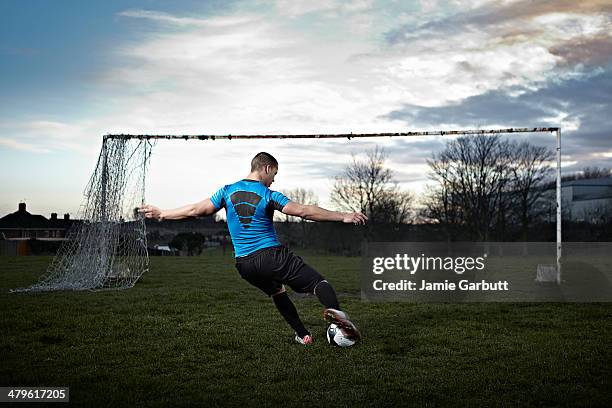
column 106, row 248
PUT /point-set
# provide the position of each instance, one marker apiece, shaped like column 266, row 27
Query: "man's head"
column 266, row 166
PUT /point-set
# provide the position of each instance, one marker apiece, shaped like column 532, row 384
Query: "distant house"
column 588, row 200
column 22, row 225
column 18, row 228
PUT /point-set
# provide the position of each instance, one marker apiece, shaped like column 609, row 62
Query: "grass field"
column 192, row 332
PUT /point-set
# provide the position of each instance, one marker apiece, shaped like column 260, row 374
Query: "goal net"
column 106, row 247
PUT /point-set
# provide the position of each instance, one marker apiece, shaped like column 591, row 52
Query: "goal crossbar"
column 337, row 135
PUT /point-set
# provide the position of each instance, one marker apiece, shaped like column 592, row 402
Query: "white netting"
column 107, row 248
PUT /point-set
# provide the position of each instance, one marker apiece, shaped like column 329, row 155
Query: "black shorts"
column 270, row 268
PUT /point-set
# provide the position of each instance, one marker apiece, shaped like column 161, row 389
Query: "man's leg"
column 302, row 278
column 264, row 279
column 307, row 280
column 327, row 295
column 287, row 309
column 332, row 313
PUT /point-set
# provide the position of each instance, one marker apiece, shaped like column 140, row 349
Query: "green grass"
column 192, row 332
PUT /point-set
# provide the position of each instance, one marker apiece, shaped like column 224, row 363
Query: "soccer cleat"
column 342, row 320
column 307, row 339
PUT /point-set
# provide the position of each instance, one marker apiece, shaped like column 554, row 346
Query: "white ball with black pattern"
column 336, row 337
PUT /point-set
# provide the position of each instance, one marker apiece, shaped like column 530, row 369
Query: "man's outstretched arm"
column 315, row 213
column 199, row 209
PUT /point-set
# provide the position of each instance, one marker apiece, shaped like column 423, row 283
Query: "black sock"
column 327, row 295
column 286, row 308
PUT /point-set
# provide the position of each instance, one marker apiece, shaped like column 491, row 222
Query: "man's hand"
column 356, row 218
column 150, row 211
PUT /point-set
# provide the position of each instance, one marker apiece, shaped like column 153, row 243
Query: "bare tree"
column 439, row 207
column 471, row 175
column 395, row 206
column 367, row 186
column 483, row 183
column 362, row 183
column 530, row 167
column 596, row 172
column 439, row 201
column 588, row 173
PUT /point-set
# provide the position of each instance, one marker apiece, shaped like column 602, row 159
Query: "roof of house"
column 595, row 182
column 23, row 219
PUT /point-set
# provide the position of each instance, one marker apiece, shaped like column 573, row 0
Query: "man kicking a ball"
column 260, row 258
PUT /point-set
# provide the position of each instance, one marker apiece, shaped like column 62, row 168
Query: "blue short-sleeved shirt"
column 249, row 206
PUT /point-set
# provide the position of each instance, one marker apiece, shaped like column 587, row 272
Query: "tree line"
column 481, row 187
column 487, row 184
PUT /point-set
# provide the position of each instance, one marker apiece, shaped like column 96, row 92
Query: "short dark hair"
column 263, row 159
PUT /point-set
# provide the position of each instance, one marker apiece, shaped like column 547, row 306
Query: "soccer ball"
column 335, row 337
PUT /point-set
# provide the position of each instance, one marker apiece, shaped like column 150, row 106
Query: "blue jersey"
column 249, row 206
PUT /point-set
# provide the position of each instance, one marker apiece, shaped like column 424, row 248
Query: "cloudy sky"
column 72, row 71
